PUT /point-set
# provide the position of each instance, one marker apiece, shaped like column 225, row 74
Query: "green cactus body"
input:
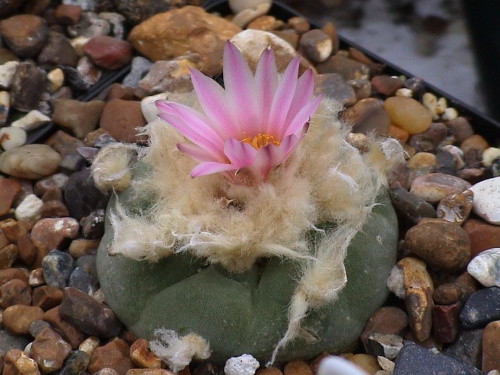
column 248, row 313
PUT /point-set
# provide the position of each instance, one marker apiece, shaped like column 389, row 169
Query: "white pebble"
column 11, row 137
column 246, row 16
column 240, row 5
column 338, row 366
column 441, row 106
column 385, row 363
column 490, row 154
column 487, row 200
column 450, row 113
column 77, row 43
column 429, row 101
column 7, row 72
column 29, row 209
column 485, row 267
column 404, row 92
column 55, row 79
column 243, row 365
column 33, row 120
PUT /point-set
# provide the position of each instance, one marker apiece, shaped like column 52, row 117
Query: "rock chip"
column 388, row 320
column 408, row 114
column 68, row 14
column 15, row 292
column 79, row 117
column 485, row 267
column 429, row 139
column 333, row 86
column 433, row 187
column 89, row 345
column 49, row 350
column 467, row 347
column 47, row 297
column 70, row 334
column 443, row 245
column 247, row 16
column 410, row 206
column 487, row 200
column 10, row 189
column 483, row 236
column 24, row 34
column 456, row 208
column 29, row 209
column 107, row 52
column 8, row 255
column 445, row 322
column 414, row 359
column 142, row 356
column 30, row 161
column 385, row 345
column 177, row 32
column 88, row 315
column 7, row 72
column 17, row 318
column 316, row 44
column 139, row 67
column 114, row 355
column 121, row 118
column 491, row 347
column 481, row 308
column 17, row 362
column 27, row 75
column 349, row 69
column 57, row 51
column 459, row 289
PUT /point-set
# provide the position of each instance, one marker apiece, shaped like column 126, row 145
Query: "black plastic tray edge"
column 481, row 123
column 110, row 77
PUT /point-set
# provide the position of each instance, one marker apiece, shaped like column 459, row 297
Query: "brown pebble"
column 400, row 134
column 443, row 245
column 9, row 274
column 362, row 88
column 445, row 322
column 142, row 356
column 433, row 187
column 471, row 175
column 474, row 142
column 367, row 116
column 108, row 52
column 330, row 29
column 347, row 68
column 15, row 292
column 264, row 23
column 289, row 36
column 316, row 45
column 18, row 363
column 9, row 191
column 299, row 24
column 47, row 297
column 53, row 209
column 114, row 355
column 36, row 277
column 334, row 86
column 119, row 91
column 297, row 367
column 64, row 144
column 53, row 193
column 8, row 255
column 460, row 128
column 49, row 350
column 27, row 249
column 408, row 114
column 429, row 139
column 149, row 371
column 81, row 247
column 482, row 235
column 17, row 318
column 491, row 347
column 24, row 34
column 68, row 14
column 121, row 118
column 78, row 117
column 3, row 239
column 72, row 335
column 268, row 371
column 389, row 320
column 456, row 208
column 458, row 290
column 386, row 85
column 13, row 229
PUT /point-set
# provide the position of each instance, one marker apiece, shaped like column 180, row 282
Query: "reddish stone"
column 491, row 347
column 27, row 249
column 3, row 239
column 386, row 320
column 142, row 356
column 64, row 144
column 47, row 297
column 13, row 229
column 114, row 355
column 119, row 91
column 72, row 335
column 54, row 208
column 108, row 52
column 121, row 118
column 445, row 322
column 15, row 292
column 9, row 274
column 67, row 14
column 297, row 367
column 8, row 255
column 483, row 236
column 9, row 191
column 386, row 85
column 82, row 246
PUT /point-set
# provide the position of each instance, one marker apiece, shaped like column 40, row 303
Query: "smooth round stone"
column 11, row 137
column 408, row 114
column 367, row 116
column 433, row 187
column 487, row 200
column 57, row 267
column 485, row 267
column 30, row 161
column 108, row 52
column 25, row 34
column 241, row 5
column 386, row 85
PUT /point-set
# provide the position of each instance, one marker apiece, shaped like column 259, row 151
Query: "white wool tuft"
column 178, row 352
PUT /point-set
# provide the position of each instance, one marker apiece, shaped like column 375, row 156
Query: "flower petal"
column 240, row 90
column 211, row 167
column 282, row 99
column 240, row 154
column 297, row 123
column 303, row 94
column 266, row 81
column 212, row 99
column 196, row 153
column 270, row 156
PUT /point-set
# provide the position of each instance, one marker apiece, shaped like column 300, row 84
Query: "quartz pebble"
column 481, row 308
column 433, row 187
column 487, row 200
column 30, row 161
column 408, row 114
column 248, row 15
column 11, row 137
column 29, row 209
column 485, row 267
column 33, row 120
column 242, row 365
column 7, row 72
column 238, row 6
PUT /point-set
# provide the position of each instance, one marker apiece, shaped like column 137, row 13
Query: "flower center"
column 260, row 140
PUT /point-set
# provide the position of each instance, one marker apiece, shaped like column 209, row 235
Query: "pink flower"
column 255, row 123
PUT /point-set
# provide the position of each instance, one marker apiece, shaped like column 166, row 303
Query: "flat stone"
column 49, row 350
column 491, row 347
column 367, row 116
column 9, row 191
column 445, row 322
column 410, row 206
column 487, row 200
column 408, row 114
column 78, row 117
column 107, row 52
column 414, row 359
column 27, row 76
column 467, row 347
column 57, row 51
column 386, row 85
column 17, row 318
column 24, row 34
column 481, row 308
column 114, row 355
column 433, row 187
column 483, row 236
column 335, row 87
column 30, row 161
column 15, row 292
column 485, row 267
column 121, row 118
column 443, row 245
column 179, row 31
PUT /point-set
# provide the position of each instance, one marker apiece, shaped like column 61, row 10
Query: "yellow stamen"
column 260, row 140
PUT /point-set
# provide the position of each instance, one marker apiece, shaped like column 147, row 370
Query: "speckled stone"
column 27, row 75
column 76, row 363
column 467, row 347
column 17, row 362
column 481, row 308
column 15, row 292
column 57, row 267
column 53, row 233
column 491, row 347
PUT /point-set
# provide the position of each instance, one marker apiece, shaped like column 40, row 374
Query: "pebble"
column 316, row 45
column 88, row 315
column 15, row 292
column 113, row 355
column 11, row 138
column 442, row 244
column 138, row 68
column 120, row 118
column 8, row 255
column 483, row 236
column 90, row 25
column 24, row 34
column 108, row 52
column 486, row 200
column 54, row 209
column 46, row 297
column 429, row 139
column 246, row 16
column 179, row 31
column 367, row 116
column 13, row 229
column 11, row 274
column 242, row 365
column 433, row 187
column 489, row 155
column 7, row 72
column 4, row 106
column 333, row 86
column 82, row 247
column 238, row 6
column 81, row 195
column 31, row 121
column 27, row 75
column 460, row 128
column 459, row 289
column 485, row 267
column 481, row 308
column 89, row 345
column 50, row 233
column 467, row 347
column 445, row 163
column 29, row 209
column 68, row 14
column 297, row 367
column 456, row 208
column 57, row 267
column 474, row 142
column 79, row 117
column 167, row 76
column 268, row 23
column 49, row 350
column 64, row 144
column 76, row 363
column 386, row 85
column 93, row 225
column 408, row 114
column 57, row 51
column 410, row 206
column 55, row 80
column 414, row 359
column 142, row 356
column 347, row 68
column 83, row 281
column 445, row 322
column 70, row 334
column 36, row 278
column 17, row 362
column 386, row 345
column 116, row 21
column 17, row 318
column 491, row 347
column 10, row 189
column 362, row 88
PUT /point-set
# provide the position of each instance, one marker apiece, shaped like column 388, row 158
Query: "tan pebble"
column 408, row 114
column 358, row 140
column 450, row 113
column 142, row 356
column 17, row 362
column 30, row 161
column 362, row 88
column 149, row 371
column 13, row 229
column 366, row 362
column 330, row 29
column 491, row 347
column 474, row 142
column 240, row 5
column 49, row 350
column 8, row 255
column 89, row 345
column 289, row 36
column 367, row 116
column 429, row 101
column 17, row 318
column 386, row 364
column 489, row 155
column 441, row 106
column 299, row 24
column 246, row 16
column 265, row 23
column 386, row 85
column 82, row 246
column 407, row 93
column 433, row 187
column 397, row 133
column 297, row 367
column 316, row 44
column 268, row 371
column 456, row 208
column 114, row 354
column 55, row 79
column 423, row 161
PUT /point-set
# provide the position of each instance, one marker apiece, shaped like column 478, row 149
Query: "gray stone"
column 57, row 267
column 485, row 267
column 481, row 308
column 139, row 67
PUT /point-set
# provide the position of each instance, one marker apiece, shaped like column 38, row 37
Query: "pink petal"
column 196, row 153
column 240, row 154
column 282, row 99
column 297, row 123
column 240, row 90
column 266, row 80
column 303, row 94
column 164, row 106
column 270, row 156
column 213, row 102
column 211, row 167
